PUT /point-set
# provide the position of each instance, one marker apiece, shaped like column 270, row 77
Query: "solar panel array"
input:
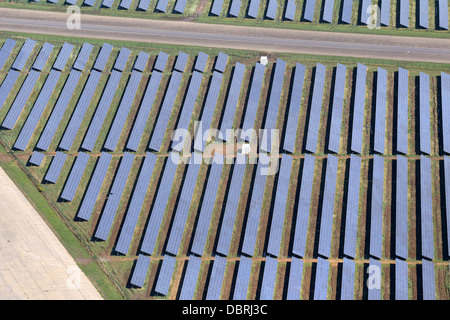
column 401, row 208
column 401, row 279
column 271, row 10
column 428, row 280
column 358, row 108
column 443, row 14
column 23, row 55
column 402, row 111
column 404, row 13
column 445, row 97
column 337, row 107
column 376, row 207
column 83, row 56
column 308, row 14
column 424, row 113
column 102, row 57
column 190, row 278
column 348, row 279
column 289, row 13
column 55, row 167
column 180, row 6
column 365, row 11
column 242, row 278
column 43, row 56
column 200, row 63
column 122, row 59
column 161, row 61
column 63, row 56
column 295, row 279
column 423, row 14
column 217, row 7
column 268, row 279
column 253, row 8
column 180, row 64
column 321, row 284
column 141, row 61
column 328, row 11
column 380, row 111
column 107, row 3
column 7, row 85
column 73, row 181
column 216, row 279
column 140, row 271
column 165, row 275
column 143, row 5
column 235, row 7
column 385, row 12
column 162, row 5
column 373, row 281
column 5, row 51
column 447, row 198
column 426, row 208
column 346, row 16
column 125, row 4
column 36, row 158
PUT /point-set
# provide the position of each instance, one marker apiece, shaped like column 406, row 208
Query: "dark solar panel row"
column 216, row 8
column 242, row 278
column 165, row 275
column 6, row 50
column 316, row 108
column 423, row 13
column 308, row 14
column 136, row 203
column 428, row 280
column 103, row 56
column 253, row 8
column 83, row 56
column 295, row 279
column 180, row 6
column 180, row 63
column 404, row 13
column 114, row 196
column 190, row 278
column 376, row 209
column 426, row 208
column 337, row 107
column 7, row 85
column 443, row 14
column 346, row 16
column 289, row 13
column 401, row 279
column 63, row 56
column 321, row 283
column 380, row 111
column 36, row 158
column 55, row 167
column 348, row 279
column 140, row 271
column 23, row 55
column 271, row 9
column 373, row 279
column 401, row 208
column 43, row 56
column 75, row 176
column 447, row 197
column 269, row 279
column 235, row 8
column 141, row 61
column 328, row 11
column 402, row 111
column 200, row 63
column 216, row 279
column 162, row 5
column 122, row 58
column 424, row 113
column 358, row 109
column 445, row 105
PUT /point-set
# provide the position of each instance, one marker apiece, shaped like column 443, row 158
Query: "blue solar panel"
column 180, row 6
column 221, row 62
column 404, row 13
column 21, row 99
column 201, row 61
column 426, row 208
column 428, row 280
column 103, row 56
column 102, row 110
column 107, row 3
column 91, row 194
column 232, row 101
column 161, row 61
column 122, row 58
column 380, row 111
column 159, row 206
column 242, row 278
column 401, row 208
column 373, row 281
column 328, row 11
column 423, row 13
column 125, row 4
column 217, row 7
column 165, row 275
column 445, row 97
column 235, row 8
column 38, row 108
column 253, row 100
column 295, row 279
column 43, row 56
column 385, row 12
column 83, row 56
column 136, row 203
column 58, row 110
column 143, row 5
column 268, row 279
column 326, row 220
column 253, row 8
column 376, row 211
column 216, row 279
column 424, row 113
column 289, row 13
column 7, row 86
column 308, row 14
column 321, row 284
column 271, row 10
column 144, row 111
column 358, row 109
column 140, row 271
column 402, row 111
column 114, row 196
column 401, row 280
column 141, row 61
column 6, row 50
column 160, row 127
column 231, row 206
column 447, row 198
column 36, row 158
column 273, row 106
column 123, row 111
column 23, row 55
column 337, row 107
column 86, row 2
column 190, row 278
column 365, row 11
column 63, row 56
column 80, row 110
column 55, row 167
column 279, row 207
column 75, row 176
column 162, row 5
column 304, row 201
column 180, row 64
column 346, row 16
column 316, row 108
column 443, row 14
column 348, row 279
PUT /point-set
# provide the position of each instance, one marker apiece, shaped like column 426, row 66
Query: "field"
column 119, row 267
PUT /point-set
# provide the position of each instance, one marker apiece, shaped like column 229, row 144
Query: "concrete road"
column 228, row 36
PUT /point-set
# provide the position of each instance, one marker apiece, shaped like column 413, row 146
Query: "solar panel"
column 328, row 11
column 358, row 109
column 102, row 110
column 424, row 113
column 6, row 50
column 160, row 127
column 107, row 3
column 103, row 56
column 242, row 278
column 125, row 4
column 269, row 278
column 123, row 111
column 404, row 13
column 316, row 108
column 253, row 8
column 273, row 106
column 351, row 217
column 190, row 278
column 337, row 107
column 385, row 12
column 83, row 56
column 75, row 176
column 231, row 206
column 141, row 119
column 376, row 209
column 402, row 111
column 373, row 284
column 443, row 14
column 204, row 219
column 37, row 110
column 380, row 111
column 55, row 167
column 216, row 8
column 295, row 279
column 23, row 55
column 423, row 13
column 428, row 280
column 162, row 5
column 447, row 197
column 304, row 201
column 401, row 279
column 348, row 279
column 114, row 196
column 143, row 5
column 321, row 284
column 216, row 279
column 91, row 194
column 36, row 158
column 180, row 6
column 141, row 61
column 161, row 61
column 308, row 14
column 271, row 9
column 289, row 13
column 232, row 101
column 43, row 56
column 86, row 2
column 253, row 100
column 279, row 207
column 63, row 56
column 294, row 108
column 122, row 57
column 180, row 64
column 401, row 208
column 201, row 61
column 80, row 110
column 159, row 205
column 7, row 85
column 58, row 110
column 365, row 11
column 426, row 208
column 346, row 16
column 326, row 220
column 221, row 62
column 71, row 1
column 21, row 99
column 445, row 105
column 136, row 203
column 140, row 271
column 165, row 275
column 235, row 8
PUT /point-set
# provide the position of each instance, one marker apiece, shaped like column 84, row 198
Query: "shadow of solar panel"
column 190, row 278
column 295, row 279
column 348, row 279
column 125, row 4
column 423, row 13
column 328, row 11
column 141, row 61
column 165, row 275
column 75, row 176
column 364, row 16
column 380, row 111
column 316, row 108
column 358, row 108
column 426, row 208
column 216, row 279
column 36, row 158
column 424, row 113
column 180, row 64
column 428, row 280
column 337, row 107
column 91, row 194
column 63, row 56
column 308, row 14
column 180, row 6
column 242, row 278
column 447, row 198
column 326, row 219
column 376, row 208
column 253, row 8
column 58, row 110
column 143, row 5
column 114, row 196
column 289, row 13
column 161, row 61
column 401, row 279
column 200, row 63
column 103, row 56
column 235, row 8
column 443, row 14
column 402, row 111
column 122, row 58
column 269, row 278
column 221, row 62
column 404, row 13
column 374, row 270
column 216, row 8
column 55, row 167
column 385, row 13
column 162, row 5
column 321, row 284
column 346, row 16
column 23, row 55
column 140, row 271
column 6, row 50
column 7, row 86
column 401, row 208
column 83, row 56
column 271, row 10
column 43, row 56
